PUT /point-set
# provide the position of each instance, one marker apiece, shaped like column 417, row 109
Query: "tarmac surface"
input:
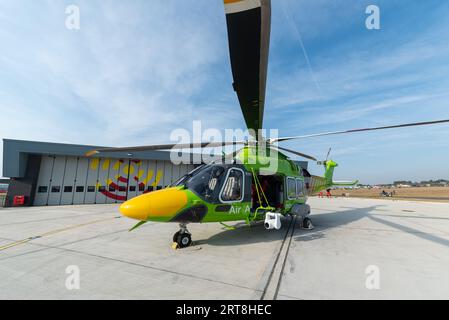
column 359, row 249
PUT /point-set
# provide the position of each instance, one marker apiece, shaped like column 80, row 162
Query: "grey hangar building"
column 52, row 174
column 49, row 174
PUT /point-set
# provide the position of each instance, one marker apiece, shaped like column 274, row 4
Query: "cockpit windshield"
column 206, row 183
column 182, row 181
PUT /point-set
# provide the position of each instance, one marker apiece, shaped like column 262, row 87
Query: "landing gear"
column 183, row 237
column 307, row 224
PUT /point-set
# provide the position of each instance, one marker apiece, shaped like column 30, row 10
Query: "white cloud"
column 130, row 75
column 137, row 70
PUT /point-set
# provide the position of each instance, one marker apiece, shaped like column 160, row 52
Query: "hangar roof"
column 16, row 152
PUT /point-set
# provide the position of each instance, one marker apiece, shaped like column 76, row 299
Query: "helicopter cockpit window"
column 181, row 181
column 206, row 182
column 233, row 188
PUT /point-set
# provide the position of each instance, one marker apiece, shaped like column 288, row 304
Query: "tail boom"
column 316, row 184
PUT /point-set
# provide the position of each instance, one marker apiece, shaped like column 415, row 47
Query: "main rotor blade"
column 232, row 154
column 249, row 28
column 303, row 155
column 165, row 147
column 415, row 124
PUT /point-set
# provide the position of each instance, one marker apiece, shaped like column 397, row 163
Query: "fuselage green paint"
column 268, row 162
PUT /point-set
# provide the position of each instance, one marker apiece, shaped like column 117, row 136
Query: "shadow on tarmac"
column 244, row 235
column 257, row 234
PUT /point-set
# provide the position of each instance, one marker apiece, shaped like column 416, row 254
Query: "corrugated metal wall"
column 77, row 180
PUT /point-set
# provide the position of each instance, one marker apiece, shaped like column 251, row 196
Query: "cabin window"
column 300, row 188
column 291, row 188
column 232, row 190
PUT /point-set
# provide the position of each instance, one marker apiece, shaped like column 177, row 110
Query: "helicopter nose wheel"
column 183, row 238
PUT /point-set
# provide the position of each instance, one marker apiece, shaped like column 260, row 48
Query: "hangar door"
column 79, row 180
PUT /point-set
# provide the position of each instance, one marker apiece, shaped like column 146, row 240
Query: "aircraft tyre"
column 307, row 224
column 183, row 240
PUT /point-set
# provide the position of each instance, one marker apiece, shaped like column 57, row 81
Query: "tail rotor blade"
column 328, row 153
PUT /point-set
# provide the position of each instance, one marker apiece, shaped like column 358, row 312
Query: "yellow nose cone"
column 162, row 204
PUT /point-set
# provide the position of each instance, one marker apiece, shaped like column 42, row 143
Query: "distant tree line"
column 438, row 182
column 433, row 183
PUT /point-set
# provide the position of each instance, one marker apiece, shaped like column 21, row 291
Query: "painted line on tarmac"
column 136, row 264
column 281, row 273
column 53, row 232
column 51, row 219
column 15, row 244
column 272, row 286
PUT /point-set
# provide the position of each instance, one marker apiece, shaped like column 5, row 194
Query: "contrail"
column 301, row 43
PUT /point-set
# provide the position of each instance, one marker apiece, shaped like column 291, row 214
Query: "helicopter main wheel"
column 307, row 224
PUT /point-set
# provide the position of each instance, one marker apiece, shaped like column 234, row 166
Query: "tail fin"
column 329, row 174
column 329, row 171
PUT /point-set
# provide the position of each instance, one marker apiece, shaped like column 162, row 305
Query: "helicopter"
column 258, row 182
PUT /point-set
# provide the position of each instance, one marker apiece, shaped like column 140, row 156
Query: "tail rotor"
column 323, row 163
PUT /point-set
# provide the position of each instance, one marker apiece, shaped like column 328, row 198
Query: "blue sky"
column 136, row 70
